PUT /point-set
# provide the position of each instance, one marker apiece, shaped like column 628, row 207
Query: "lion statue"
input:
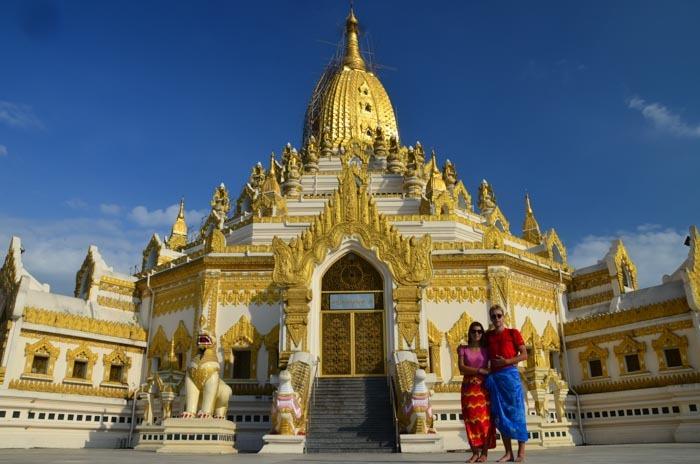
column 207, row 394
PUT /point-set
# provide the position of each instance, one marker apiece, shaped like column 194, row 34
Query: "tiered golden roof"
column 350, row 102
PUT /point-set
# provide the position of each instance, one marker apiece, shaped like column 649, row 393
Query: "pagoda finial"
column 178, row 234
column 531, row 229
column 353, row 57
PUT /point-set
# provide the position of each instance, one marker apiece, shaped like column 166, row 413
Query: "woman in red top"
column 473, row 362
column 506, row 349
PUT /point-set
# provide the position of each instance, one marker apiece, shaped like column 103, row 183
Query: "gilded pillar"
column 296, row 319
column 408, row 298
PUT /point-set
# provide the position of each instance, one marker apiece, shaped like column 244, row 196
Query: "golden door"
column 352, row 343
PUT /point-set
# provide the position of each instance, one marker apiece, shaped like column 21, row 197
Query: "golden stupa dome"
column 349, row 102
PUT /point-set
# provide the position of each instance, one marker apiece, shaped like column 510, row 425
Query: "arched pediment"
column 352, row 212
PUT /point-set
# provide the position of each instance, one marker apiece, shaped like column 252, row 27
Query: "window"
column 673, row 357
column 40, row 365
column 115, row 373
column 595, row 368
column 80, row 369
column 241, row 364
column 632, row 363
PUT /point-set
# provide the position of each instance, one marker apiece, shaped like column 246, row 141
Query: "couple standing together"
column 492, row 395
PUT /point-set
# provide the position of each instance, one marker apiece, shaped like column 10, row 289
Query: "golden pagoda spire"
column 178, row 234
column 271, row 184
column 353, row 57
column 531, row 229
column 436, row 183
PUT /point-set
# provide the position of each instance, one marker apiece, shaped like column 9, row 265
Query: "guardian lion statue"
column 207, row 394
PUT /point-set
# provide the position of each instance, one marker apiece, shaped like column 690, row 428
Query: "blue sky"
column 110, row 112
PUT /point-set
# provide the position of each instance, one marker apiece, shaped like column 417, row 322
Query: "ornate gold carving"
column 178, row 233
column 667, row 340
column 555, row 249
column 352, row 212
column 493, row 239
column 531, row 228
column 368, row 341
column 245, row 289
column 624, row 267
column 460, row 288
column 497, row 219
column 119, row 358
column 630, row 346
column 534, row 294
column 614, row 336
column 208, row 300
column 116, row 303
column 296, row 312
column 550, row 338
column 637, row 383
column 174, row 299
column 80, row 353
column 407, row 300
column 159, row 346
column 70, row 340
column 215, row 242
column 43, row 348
column 242, row 335
column 591, row 280
column 336, row 343
column 435, row 337
column 449, row 387
column 643, row 313
column 220, row 206
column 182, row 338
column 84, row 324
column 456, row 336
column 69, row 389
column 589, row 300
column 592, row 353
column 271, row 342
column 406, row 373
column 10, row 274
column 119, row 286
column 692, row 269
column 499, row 292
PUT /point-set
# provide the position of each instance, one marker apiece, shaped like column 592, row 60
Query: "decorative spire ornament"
column 531, row 229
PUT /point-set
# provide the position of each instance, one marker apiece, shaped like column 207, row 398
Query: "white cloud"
column 76, row 203
column 55, row 249
column 663, row 119
column 3, row 150
column 19, row 115
column 111, row 209
column 655, row 251
column 163, row 217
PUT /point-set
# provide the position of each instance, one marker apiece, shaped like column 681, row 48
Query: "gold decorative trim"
column 68, row 389
column 530, row 293
column 592, row 353
column 435, row 337
column 643, row 313
column 248, row 289
column 459, row 288
column 591, row 280
column 589, row 300
column 68, row 340
column 650, row 381
column 242, row 335
column 174, row 299
column 117, row 357
column 84, row 324
column 119, row 286
column 669, row 340
column 630, row 346
column 116, row 303
column 625, row 268
column 271, row 342
column 160, row 345
column 80, row 353
column 450, row 387
column 634, row 333
column 182, row 338
column 42, row 348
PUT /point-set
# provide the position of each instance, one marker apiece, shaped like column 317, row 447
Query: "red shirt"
column 503, row 343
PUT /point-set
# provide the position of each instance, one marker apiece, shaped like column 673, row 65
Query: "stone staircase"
column 351, row 415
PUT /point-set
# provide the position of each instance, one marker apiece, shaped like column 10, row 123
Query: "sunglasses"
column 496, row 316
column 476, row 331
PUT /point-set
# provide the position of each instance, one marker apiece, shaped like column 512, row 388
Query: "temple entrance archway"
column 352, row 319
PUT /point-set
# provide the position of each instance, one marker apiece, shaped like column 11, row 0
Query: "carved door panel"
column 336, row 351
column 369, row 343
column 352, row 343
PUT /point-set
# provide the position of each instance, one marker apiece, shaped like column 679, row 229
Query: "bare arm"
column 521, row 356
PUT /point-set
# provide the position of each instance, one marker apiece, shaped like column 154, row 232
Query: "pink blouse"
column 473, row 358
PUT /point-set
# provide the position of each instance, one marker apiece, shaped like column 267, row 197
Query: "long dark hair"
column 482, row 342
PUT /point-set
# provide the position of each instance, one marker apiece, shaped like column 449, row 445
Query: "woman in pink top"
column 473, row 362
